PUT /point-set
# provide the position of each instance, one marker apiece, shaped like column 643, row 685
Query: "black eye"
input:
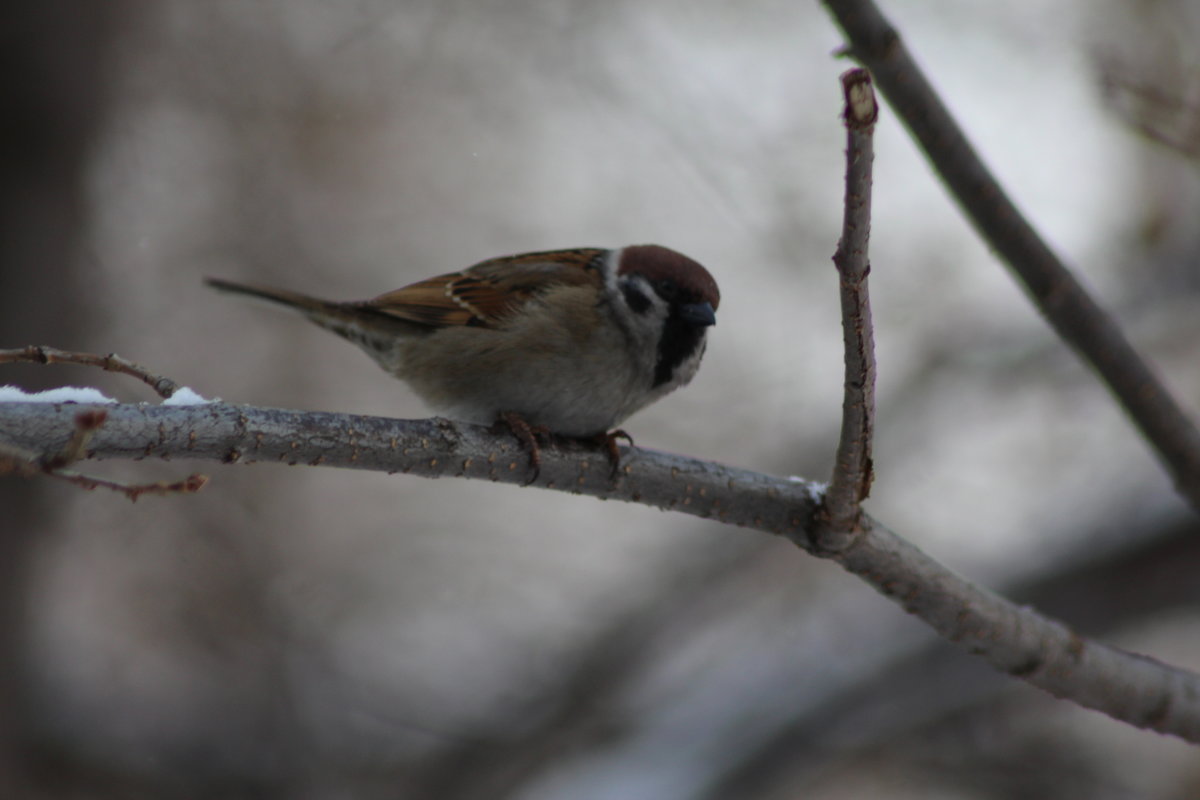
column 667, row 290
column 634, row 297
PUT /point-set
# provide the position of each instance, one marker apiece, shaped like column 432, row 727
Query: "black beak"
column 699, row 314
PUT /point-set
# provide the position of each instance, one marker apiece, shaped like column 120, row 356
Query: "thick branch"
column 1017, row 640
column 430, row 448
column 1073, row 314
column 852, row 471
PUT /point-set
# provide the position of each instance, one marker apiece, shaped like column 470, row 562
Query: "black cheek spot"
column 679, row 341
column 635, row 299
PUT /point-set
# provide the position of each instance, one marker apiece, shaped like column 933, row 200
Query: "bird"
column 567, row 342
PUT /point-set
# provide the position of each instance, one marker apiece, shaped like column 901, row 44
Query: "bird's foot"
column 527, row 435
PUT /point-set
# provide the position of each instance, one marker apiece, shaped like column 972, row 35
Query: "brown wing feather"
column 483, row 294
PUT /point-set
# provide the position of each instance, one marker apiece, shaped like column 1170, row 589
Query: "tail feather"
column 283, row 297
column 372, row 331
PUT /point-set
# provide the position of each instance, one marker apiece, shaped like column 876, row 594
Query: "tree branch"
column 852, row 471
column 1065, row 304
column 431, row 448
column 1017, row 640
column 165, row 387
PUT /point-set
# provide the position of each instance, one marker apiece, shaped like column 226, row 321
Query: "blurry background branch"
column 1165, row 110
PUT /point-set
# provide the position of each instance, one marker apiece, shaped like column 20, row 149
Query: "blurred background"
column 311, row 633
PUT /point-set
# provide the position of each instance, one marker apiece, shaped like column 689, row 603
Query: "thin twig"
column 189, row 485
column 852, row 470
column 1014, row 639
column 1073, row 314
column 1150, row 110
column 165, row 387
column 24, row 463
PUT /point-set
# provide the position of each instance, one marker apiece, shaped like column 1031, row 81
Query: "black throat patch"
column 680, row 339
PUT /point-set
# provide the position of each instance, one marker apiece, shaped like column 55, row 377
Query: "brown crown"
column 655, row 262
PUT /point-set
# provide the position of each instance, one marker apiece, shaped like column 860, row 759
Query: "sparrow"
column 569, row 342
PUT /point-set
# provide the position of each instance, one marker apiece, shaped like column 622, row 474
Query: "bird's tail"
column 283, row 297
column 369, row 329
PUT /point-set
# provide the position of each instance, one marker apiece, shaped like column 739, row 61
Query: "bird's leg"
column 527, row 435
column 609, row 442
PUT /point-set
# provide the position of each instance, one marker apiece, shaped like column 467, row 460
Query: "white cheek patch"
column 612, row 281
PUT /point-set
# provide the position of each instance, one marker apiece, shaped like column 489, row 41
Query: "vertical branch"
column 852, row 471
